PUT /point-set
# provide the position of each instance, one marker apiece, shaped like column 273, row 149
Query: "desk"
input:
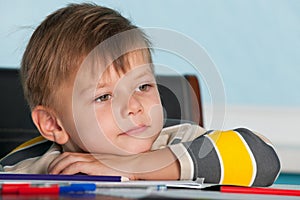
column 129, row 194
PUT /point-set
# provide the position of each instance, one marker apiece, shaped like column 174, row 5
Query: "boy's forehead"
column 96, row 73
column 137, row 63
column 97, row 64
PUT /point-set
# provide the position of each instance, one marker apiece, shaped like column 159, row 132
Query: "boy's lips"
column 136, row 130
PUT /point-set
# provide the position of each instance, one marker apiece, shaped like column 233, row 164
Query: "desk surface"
column 129, row 194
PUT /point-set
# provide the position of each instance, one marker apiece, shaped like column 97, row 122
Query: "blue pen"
column 77, row 187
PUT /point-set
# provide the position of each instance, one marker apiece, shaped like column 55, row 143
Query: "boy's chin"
column 134, row 149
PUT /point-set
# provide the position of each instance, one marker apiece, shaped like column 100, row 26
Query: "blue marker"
column 77, row 187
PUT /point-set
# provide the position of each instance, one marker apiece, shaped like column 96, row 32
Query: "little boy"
column 88, row 77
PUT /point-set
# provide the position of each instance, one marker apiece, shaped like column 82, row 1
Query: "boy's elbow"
column 267, row 171
column 267, row 166
column 267, row 161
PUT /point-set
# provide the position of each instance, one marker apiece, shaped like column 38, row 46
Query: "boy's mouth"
column 136, row 130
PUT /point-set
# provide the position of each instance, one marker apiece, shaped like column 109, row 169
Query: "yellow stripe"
column 28, row 143
column 237, row 163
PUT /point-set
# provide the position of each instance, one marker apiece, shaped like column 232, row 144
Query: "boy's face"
column 119, row 113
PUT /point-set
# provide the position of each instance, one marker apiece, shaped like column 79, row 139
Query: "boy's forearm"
column 153, row 165
column 161, row 165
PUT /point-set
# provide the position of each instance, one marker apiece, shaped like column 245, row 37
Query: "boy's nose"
column 134, row 106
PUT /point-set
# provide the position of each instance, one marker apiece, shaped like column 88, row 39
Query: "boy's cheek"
column 156, row 114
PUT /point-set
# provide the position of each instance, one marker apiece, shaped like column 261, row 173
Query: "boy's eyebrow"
column 92, row 88
column 103, row 84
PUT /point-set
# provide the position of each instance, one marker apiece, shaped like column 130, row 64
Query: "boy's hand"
column 73, row 163
column 153, row 165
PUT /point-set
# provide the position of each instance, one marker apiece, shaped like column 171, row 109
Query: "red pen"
column 254, row 190
column 26, row 188
column 40, row 190
column 13, row 188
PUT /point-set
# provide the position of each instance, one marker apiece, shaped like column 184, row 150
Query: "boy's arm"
column 236, row 157
column 161, row 164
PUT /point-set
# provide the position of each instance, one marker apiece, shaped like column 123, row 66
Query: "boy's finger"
column 55, row 162
column 64, row 160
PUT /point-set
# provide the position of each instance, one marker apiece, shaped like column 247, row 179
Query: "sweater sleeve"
column 235, row 157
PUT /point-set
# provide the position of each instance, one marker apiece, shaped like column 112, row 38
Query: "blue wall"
column 255, row 44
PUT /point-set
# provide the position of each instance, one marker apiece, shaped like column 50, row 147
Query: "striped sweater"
column 237, row 157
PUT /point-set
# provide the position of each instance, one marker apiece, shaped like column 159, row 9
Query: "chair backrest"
column 180, row 98
column 15, row 121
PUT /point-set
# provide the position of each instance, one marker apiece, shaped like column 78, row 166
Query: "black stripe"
column 267, row 161
column 30, row 152
column 205, row 159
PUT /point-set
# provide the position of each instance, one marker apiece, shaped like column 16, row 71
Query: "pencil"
column 48, row 177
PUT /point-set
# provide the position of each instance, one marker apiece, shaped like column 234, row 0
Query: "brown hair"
column 62, row 41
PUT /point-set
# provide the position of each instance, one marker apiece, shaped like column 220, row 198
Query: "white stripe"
column 254, row 171
column 28, row 159
column 11, row 166
column 185, row 160
column 219, row 156
column 192, row 171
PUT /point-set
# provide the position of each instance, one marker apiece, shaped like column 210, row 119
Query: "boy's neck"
column 70, row 147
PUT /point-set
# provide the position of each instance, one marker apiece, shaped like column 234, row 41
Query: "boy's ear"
column 49, row 125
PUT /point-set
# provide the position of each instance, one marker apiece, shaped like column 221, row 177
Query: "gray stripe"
column 267, row 161
column 176, row 141
column 205, row 158
column 31, row 152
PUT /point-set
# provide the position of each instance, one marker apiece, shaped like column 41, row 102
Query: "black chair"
column 180, row 97
column 16, row 125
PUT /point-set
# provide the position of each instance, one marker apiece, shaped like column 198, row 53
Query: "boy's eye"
column 144, row 87
column 104, row 97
